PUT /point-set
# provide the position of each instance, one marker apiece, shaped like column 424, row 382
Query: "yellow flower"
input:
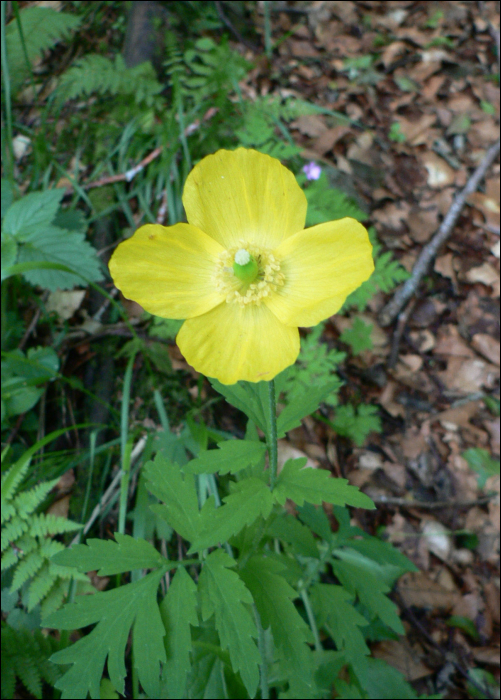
column 243, row 272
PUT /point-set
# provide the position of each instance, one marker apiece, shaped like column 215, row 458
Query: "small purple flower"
column 312, row 171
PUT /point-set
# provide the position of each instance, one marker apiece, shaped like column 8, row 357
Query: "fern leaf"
column 40, row 585
column 44, row 525
column 55, row 597
column 10, row 558
column 12, row 531
column 42, row 29
column 26, row 569
column 27, row 501
column 8, row 511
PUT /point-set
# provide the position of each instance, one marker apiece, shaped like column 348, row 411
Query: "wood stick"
column 404, row 293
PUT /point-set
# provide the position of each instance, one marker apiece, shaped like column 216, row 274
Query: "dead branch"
column 404, row 293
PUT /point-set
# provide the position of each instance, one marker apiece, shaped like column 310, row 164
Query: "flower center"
column 247, row 274
column 245, row 267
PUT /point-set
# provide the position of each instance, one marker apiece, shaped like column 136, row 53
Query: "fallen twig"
column 432, row 505
column 430, row 250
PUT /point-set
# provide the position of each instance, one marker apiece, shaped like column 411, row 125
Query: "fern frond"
column 10, row 558
column 40, row 585
column 26, row 569
column 12, row 531
column 44, row 525
column 55, row 597
column 8, row 511
column 95, row 74
column 12, row 478
column 26, row 655
column 42, row 29
column 27, row 501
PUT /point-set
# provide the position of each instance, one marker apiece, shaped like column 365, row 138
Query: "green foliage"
column 482, row 463
column 315, row 367
column 27, row 544
column 22, row 376
column 356, row 423
column 25, row 655
column 395, row 133
column 264, row 125
column 358, row 336
column 133, row 606
column 41, row 28
column 326, row 203
column 316, row 485
column 231, row 456
column 387, row 275
column 95, row 74
column 33, row 239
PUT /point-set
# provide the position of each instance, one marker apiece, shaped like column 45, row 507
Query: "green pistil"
column 246, row 273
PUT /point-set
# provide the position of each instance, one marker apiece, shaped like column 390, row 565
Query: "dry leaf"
column 310, row 124
column 440, row 174
column 420, row 591
column 65, row 303
column 487, row 346
column 486, row 274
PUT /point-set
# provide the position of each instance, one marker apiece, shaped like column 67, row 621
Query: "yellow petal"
column 244, row 194
column 321, row 266
column 168, row 270
column 234, row 342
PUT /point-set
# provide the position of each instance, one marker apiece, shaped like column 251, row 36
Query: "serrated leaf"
column 56, row 245
column 291, row 530
column 177, row 491
column 250, row 499
column 273, row 597
column 230, row 457
column 358, row 337
column 334, row 610
column 32, row 212
column 224, row 595
column 108, row 557
column 302, row 404
column 250, row 398
column 115, row 612
column 363, row 578
column 179, row 611
column 316, row 486
column 356, row 425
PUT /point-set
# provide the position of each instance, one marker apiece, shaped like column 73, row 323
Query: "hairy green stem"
column 263, row 668
column 272, row 437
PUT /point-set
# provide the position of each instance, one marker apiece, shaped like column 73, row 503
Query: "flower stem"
column 272, row 436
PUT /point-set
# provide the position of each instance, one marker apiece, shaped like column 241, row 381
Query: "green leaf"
column 224, row 595
column 334, row 611
column 56, row 245
column 302, row 404
column 383, row 682
column 316, row 486
column 250, row 398
column 231, row 456
column 482, row 463
column 291, row 530
column 116, row 611
column 465, row 624
column 273, row 597
column 9, row 254
column 42, row 29
column 250, row 499
column 358, row 336
column 179, row 611
column 33, row 212
column 356, row 424
column 108, row 557
column 363, row 577
column 177, row 491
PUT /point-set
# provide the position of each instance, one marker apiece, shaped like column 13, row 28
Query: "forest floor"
column 430, row 111
column 423, row 111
